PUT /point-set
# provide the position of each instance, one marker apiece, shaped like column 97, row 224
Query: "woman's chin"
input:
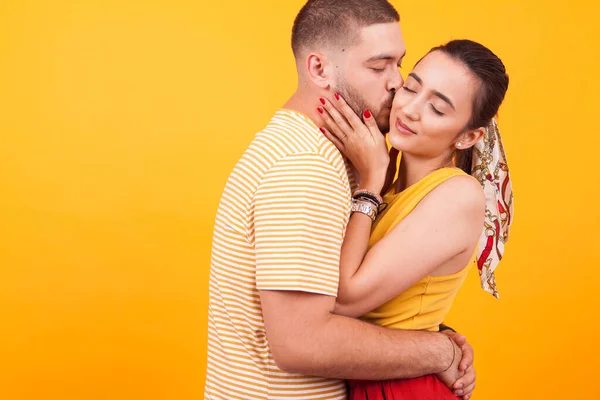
column 399, row 141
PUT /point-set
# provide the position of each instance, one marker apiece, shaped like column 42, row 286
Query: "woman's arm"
column 446, row 224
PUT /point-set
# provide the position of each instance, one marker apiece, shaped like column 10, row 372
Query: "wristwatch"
column 364, row 208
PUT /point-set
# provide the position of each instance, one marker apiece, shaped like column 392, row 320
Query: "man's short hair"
column 335, row 23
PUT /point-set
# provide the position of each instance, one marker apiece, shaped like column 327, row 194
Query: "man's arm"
column 300, row 213
column 305, row 337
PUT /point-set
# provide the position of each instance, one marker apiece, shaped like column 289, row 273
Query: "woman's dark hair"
column 493, row 83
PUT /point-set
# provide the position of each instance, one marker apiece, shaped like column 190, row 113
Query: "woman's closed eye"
column 407, row 89
column 435, row 110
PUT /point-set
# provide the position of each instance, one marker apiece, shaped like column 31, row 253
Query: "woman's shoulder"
column 459, row 191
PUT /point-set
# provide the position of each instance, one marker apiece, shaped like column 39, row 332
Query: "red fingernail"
column 337, row 96
column 322, row 100
column 320, row 110
column 367, row 114
column 322, row 130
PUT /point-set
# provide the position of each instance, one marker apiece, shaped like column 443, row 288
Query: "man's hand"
column 465, row 384
column 452, row 374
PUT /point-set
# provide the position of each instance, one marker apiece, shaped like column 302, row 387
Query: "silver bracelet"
column 365, row 207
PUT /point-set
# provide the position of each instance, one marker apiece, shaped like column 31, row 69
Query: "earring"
column 459, row 144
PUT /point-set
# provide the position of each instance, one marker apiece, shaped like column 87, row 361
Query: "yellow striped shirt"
column 279, row 226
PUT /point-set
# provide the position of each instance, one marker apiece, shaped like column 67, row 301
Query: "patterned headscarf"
column 491, row 170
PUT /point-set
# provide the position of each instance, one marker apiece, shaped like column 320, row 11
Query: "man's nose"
column 395, row 82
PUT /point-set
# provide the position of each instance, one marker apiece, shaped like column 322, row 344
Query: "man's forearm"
column 351, row 349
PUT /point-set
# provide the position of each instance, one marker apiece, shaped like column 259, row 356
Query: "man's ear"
column 319, row 69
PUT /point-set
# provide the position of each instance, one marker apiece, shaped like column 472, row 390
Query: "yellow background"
column 120, row 121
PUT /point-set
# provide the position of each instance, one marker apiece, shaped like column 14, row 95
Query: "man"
column 280, row 226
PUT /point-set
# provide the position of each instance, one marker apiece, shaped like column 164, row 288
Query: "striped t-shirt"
column 279, row 226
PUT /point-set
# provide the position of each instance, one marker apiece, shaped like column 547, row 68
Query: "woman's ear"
column 469, row 138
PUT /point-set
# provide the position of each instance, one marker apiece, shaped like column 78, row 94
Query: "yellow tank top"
column 424, row 305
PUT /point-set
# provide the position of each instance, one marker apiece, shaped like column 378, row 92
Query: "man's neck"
column 306, row 103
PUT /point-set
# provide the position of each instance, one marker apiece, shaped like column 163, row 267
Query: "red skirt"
column 424, row 388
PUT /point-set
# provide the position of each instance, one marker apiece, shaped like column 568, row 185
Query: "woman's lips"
column 403, row 128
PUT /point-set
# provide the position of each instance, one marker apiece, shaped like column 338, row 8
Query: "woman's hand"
column 362, row 143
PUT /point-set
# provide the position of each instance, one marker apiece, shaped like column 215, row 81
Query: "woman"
column 406, row 255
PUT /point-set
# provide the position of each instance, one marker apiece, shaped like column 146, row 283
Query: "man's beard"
column 358, row 104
